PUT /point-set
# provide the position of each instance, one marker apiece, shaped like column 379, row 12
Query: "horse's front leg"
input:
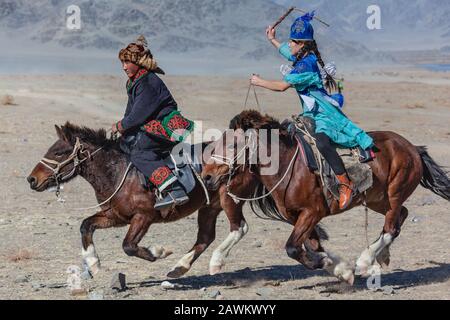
column 314, row 257
column 238, row 229
column 138, row 228
column 207, row 218
column 101, row 220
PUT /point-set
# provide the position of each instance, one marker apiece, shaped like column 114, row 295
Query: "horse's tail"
column 434, row 177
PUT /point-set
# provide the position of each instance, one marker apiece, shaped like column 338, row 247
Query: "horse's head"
column 63, row 160
column 237, row 149
column 228, row 154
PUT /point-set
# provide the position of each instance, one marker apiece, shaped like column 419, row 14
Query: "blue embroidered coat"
column 317, row 104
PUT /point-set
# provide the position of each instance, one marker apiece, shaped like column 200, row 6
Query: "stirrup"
column 169, row 200
column 366, row 155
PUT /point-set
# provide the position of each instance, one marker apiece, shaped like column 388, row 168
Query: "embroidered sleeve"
column 145, row 105
column 285, row 51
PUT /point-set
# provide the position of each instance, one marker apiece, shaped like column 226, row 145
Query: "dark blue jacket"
column 148, row 99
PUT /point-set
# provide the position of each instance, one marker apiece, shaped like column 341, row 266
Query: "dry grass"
column 416, row 106
column 20, row 255
column 7, row 100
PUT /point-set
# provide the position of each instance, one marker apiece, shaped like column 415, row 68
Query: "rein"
column 232, row 169
column 256, row 98
column 60, row 177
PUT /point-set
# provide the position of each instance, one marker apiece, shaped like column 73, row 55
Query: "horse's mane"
column 97, row 138
column 252, row 119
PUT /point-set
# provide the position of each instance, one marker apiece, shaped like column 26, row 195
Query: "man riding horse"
column 332, row 126
column 152, row 124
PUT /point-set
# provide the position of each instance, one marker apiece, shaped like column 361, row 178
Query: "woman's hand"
column 270, row 33
column 256, row 80
column 278, row 86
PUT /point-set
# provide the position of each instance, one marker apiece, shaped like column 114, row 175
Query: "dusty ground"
column 40, row 236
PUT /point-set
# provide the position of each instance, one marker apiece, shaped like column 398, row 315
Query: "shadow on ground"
column 239, row 278
column 398, row 279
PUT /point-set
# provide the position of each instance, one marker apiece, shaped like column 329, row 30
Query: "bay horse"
column 298, row 198
column 99, row 160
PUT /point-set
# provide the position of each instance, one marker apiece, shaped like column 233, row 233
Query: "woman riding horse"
column 331, row 124
column 152, row 125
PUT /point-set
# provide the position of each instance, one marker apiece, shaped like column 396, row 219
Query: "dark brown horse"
column 297, row 194
column 91, row 155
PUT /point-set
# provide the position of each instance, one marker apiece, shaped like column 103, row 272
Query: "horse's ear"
column 60, row 133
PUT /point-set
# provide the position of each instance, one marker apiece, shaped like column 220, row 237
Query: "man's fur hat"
column 138, row 53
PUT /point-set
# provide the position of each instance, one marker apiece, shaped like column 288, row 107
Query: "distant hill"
column 213, row 29
column 406, row 24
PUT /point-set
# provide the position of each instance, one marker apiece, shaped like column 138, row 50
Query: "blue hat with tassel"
column 302, row 29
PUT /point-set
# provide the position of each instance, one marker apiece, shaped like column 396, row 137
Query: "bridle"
column 251, row 145
column 74, row 158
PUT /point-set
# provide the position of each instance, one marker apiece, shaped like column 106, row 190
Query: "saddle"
column 355, row 160
column 186, row 165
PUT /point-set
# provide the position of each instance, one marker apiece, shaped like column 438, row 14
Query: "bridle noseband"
column 61, row 177
column 252, row 146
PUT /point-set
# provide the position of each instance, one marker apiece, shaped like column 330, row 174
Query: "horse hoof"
column 177, row 272
column 362, row 271
column 160, row 252
column 94, row 268
column 213, row 270
column 350, row 279
column 165, row 254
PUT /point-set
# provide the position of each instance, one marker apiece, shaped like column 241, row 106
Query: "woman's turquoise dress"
column 317, row 104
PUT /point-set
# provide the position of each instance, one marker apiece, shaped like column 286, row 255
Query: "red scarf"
column 141, row 72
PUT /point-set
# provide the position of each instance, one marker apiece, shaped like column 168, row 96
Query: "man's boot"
column 345, row 191
column 173, row 195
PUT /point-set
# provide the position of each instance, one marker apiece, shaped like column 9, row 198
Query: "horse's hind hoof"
column 160, row 252
column 367, row 271
column 94, row 269
column 350, row 279
column 213, row 270
column 177, row 272
column 362, row 272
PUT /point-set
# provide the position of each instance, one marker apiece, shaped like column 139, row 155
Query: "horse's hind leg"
column 138, row 228
column 238, row 229
column 384, row 257
column 379, row 250
column 332, row 263
column 101, row 220
column 207, row 218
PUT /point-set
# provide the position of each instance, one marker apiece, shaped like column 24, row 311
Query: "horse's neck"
column 102, row 173
column 286, row 155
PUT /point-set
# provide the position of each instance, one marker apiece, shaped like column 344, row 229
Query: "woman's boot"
column 345, row 191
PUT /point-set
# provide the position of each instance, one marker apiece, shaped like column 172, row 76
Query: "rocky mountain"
column 197, row 28
column 406, row 24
